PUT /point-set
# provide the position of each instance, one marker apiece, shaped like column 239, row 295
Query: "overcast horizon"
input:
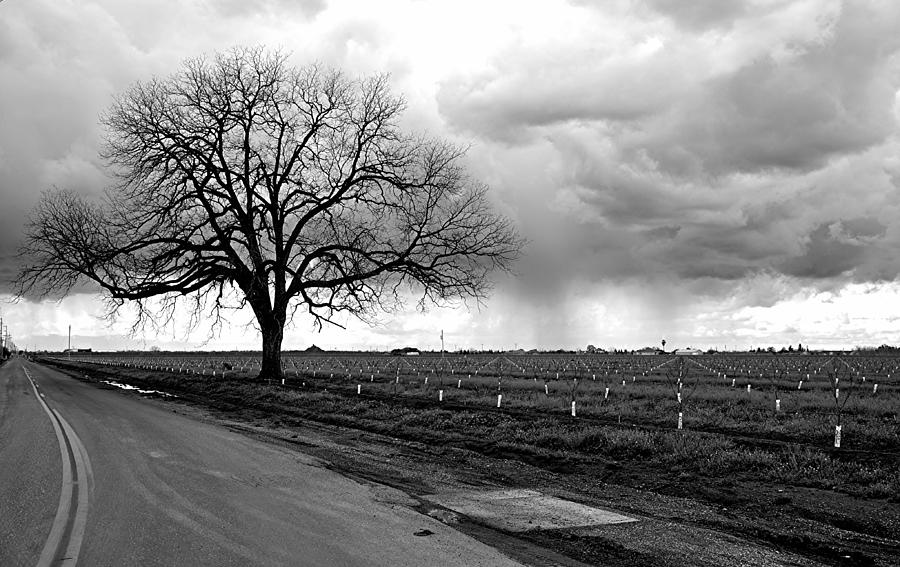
column 718, row 174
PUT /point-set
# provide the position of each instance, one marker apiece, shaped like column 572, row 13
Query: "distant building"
column 405, row 351
column 648, row 351
column 688, row 352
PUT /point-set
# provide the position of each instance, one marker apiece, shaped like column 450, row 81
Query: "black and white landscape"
column 434, row 283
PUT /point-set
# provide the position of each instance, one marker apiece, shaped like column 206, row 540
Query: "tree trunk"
column 272, row 335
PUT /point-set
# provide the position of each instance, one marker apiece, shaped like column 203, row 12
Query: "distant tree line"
column 883, row 349
column 783, row 350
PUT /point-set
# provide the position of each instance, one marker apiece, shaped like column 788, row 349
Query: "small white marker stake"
column 837, row 436
column 546, row 389
column 282, row 381
column 459, row 384
column 606, row 393
column 359, row 388
column 499, row 399
column 623, row 381
column 680, row 421
column 874, row 388
column 837, row 393
column 440, row 395
column 679, row 397
column 777, row 405
column 733, row 380
column 748, row 388
column 573, row 408
column 800, row 385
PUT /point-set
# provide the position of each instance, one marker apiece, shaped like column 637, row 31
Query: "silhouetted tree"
column 294, row 187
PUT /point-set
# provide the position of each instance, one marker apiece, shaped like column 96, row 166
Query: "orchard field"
column 795, row 399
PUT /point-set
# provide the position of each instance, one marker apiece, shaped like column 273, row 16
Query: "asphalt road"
column 148, row 486
column 30, row 471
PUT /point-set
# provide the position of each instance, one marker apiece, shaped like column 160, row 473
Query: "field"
column 793, row 438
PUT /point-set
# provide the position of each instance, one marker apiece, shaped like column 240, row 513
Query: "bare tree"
column 293, row 187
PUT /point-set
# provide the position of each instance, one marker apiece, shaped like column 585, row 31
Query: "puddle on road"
column 523, row 510
column 138, row 390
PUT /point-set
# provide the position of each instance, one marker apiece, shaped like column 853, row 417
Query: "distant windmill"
column 664, row 344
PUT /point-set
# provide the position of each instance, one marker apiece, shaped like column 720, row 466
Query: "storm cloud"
column 687, row 168
column 754, row 128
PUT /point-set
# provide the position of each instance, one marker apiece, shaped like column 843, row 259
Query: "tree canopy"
column 295, row 187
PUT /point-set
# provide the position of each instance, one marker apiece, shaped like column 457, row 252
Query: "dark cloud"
column 531, row 87
column 282, row 8
column 662, row 233
column 700, row 15
column 825, row 93
column 826, row 256
column 770, row 163
column 863, row 229
column 831, row 99
column 8, row 267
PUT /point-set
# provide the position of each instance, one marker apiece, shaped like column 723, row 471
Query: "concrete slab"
column 524, row 510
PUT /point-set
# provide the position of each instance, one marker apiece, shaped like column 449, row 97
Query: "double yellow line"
column 64, row 542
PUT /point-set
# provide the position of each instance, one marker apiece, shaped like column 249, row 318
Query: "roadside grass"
column 548, row 435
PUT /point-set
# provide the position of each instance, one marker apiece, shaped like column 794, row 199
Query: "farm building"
column 405, row 351
column 688, row 351
column 648, row 351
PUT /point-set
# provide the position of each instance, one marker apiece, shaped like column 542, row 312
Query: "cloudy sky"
column 714, row 172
